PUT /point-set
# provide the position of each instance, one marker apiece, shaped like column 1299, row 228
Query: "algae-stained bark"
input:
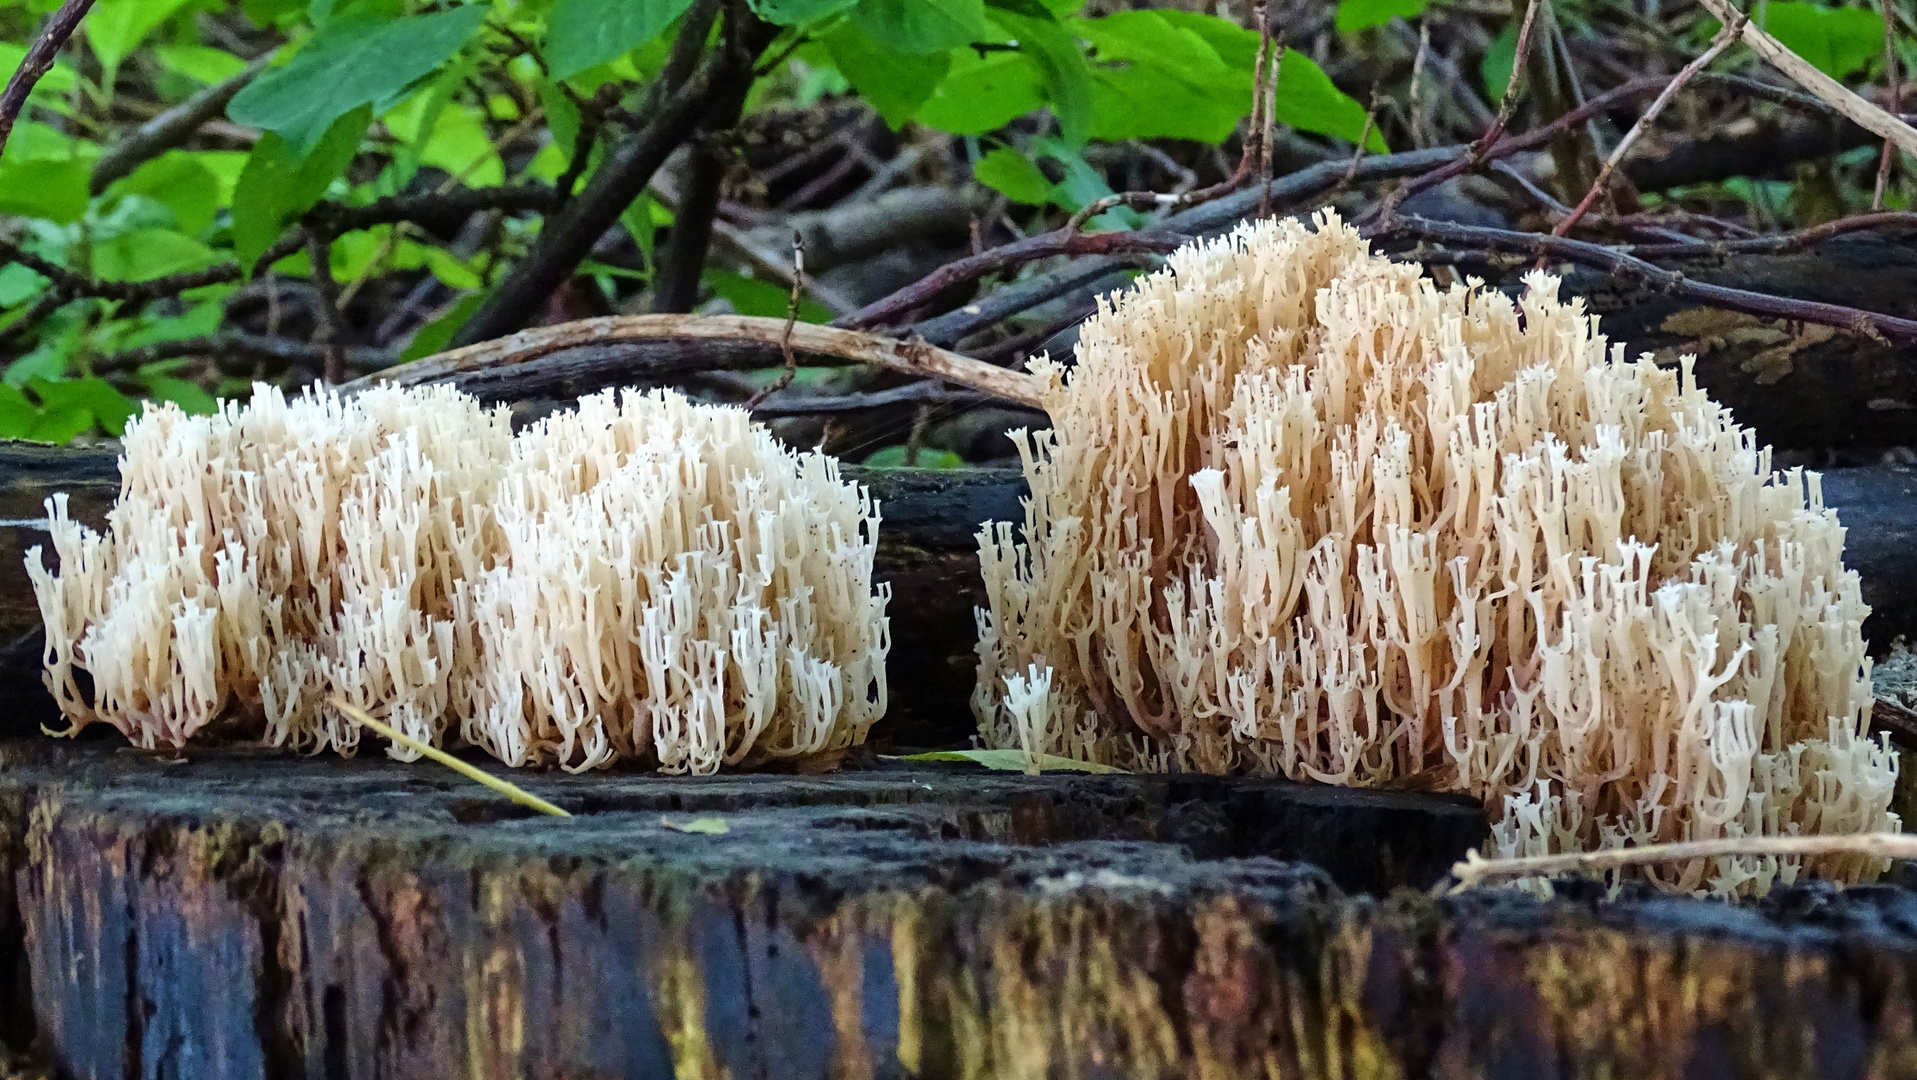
column 364, row 919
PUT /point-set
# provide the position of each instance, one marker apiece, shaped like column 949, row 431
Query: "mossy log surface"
column 223, row 916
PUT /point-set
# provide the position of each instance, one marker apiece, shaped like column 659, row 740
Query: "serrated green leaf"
column 114, row 28
column 17, row 414
column 894, row 83
column 92, row 395
column 352, row 61
column 277, row 186
column 797, row 12
column 54, row 190
column 1013, row 175
column 583, row 33
column 982, row 94
column 1010, row 761
column 1356, row 15
column 201, row 63
column 180, row 181
column 188, row 395
column 922, row 26
column 1140, row 101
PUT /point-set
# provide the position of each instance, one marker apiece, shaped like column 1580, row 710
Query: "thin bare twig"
column 330, row 327
column 38, row 61
column 1723, row 41
column 1895, row 104
column 791, row 318
column 507, row 788
column 1475, row 870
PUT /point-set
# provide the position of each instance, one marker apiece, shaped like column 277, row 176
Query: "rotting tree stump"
column 226, row 916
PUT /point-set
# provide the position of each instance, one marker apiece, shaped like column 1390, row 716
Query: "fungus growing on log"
column 641, row 578
column 1302, row 512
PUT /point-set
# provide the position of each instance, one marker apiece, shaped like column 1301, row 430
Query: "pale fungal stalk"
column 641, row 578
column 1304, row 513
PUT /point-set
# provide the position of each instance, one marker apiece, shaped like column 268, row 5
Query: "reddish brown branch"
column 38, row 61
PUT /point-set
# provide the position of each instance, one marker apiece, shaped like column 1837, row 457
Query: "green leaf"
column 185, row 393
column 894, row 83
column 583, row 33
column 433, row 336
column 983, row 94
column 200, row 63
column 276, row 186
column 180, row 181
column 1837, row 41
column 352, row 61
column 451, row 138
column 17, row 283
column 57, row 83
column 1009, row 761
column 1499, row 58
column 922, row 26
column 1061, row 62
column 1013, row 175
column 1356, row 15
column 795, row 12
column 17, row 414
column 59, row 426
column 893, row 457
column 114, row 28
column 145, row 254
column 1309, row 101
column 752, row 296
column 92, row 395
column 709, row 825
column 54, row 190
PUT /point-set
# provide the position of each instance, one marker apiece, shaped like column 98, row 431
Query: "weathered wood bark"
column 1800, row 387
column 340, row 920
column 926, row 551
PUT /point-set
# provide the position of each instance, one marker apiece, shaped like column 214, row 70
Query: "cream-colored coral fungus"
column 1302, row 512
column 641, row 578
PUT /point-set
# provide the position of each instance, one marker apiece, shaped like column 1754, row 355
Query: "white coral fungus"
column 1304, row 513
column 640, row 578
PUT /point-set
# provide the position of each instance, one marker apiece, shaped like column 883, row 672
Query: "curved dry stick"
column 715, row 334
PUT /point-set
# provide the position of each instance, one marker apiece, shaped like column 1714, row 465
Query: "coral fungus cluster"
column 640, row 578
column 1303, row 512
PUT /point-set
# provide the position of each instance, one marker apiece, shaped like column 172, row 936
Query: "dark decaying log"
column 224, row 917
column 926, row 551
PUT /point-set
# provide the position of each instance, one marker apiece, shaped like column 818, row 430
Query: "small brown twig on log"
column 38, row 61
column 791, row 319
column 1780, row 244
